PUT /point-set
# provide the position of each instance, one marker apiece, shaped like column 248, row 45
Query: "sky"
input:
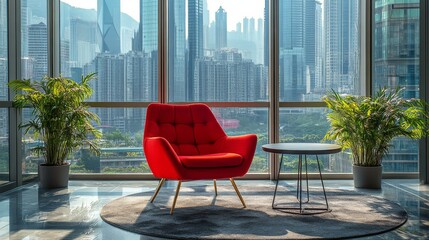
column 236, row 9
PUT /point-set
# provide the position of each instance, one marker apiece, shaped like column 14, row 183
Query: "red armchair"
column 186, row 142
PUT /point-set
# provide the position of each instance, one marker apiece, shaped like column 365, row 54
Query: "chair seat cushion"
column 215, row 160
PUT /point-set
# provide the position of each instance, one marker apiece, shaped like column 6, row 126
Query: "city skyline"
column 253, row 8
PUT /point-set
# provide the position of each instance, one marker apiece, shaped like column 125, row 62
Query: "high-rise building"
column 38, row 49
column 195, row 43
column 206, row 24
column 109, row 25
column 226, row 76
column 252, row 30
column 260, row 42
column 149, row 25
column 246, row 33
column 310, row 42
column 221, row 28
column 396, row 48
column 83, row 42
column 319, row 49
column 177, row 50
column 342, row 45
column 292, row 52
column 266, row 33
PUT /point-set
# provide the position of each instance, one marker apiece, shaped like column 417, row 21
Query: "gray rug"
column 201, row 215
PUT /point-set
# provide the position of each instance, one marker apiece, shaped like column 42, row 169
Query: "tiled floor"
column 73, row 213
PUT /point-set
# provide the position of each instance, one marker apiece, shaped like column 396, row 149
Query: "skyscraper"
column 396, row 57
column 109, row 25
column 252, row 29
column 342, row 45
column 221, row 28
column 266, row 33
column 177, row 50
column 310, row 42
column 195, row 42
column 246, row 34
column 149, row 25
column 38, row 49
column 292, row 52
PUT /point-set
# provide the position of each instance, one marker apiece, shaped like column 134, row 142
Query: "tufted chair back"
column 190, row 129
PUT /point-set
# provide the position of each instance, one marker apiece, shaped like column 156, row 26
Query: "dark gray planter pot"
column 54, row 176
column 367, row 177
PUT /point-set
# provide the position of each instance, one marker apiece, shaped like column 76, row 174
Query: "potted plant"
column 61, row 120
column 366, row 126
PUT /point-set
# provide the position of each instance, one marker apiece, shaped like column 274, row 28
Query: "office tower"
column 138, row 76
column 65, row 58
column 221, row 28
column 252, row 30
column 177, row 50
column 109, row 25
column 25, row 19
column 396, row 56
column 226, row 76
column 83, row 42
column 260, row 42
column 206, row 24
column 342, row 45
column 266, row 33
column 195, row 43
column 310, row 43
column 292, row 52
column 38, row 49
column 246, row 33
column 149, row 25
column 238, row 28
column 319, row 47
column 110, row 87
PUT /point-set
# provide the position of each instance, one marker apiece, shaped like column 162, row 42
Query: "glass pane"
column 310, row 125
column 216, row 51
column 116, row 39
column 319, row 48
column 396, row 56
column 3, row 51
column 239, row 121
column 4, row 146
column 34, row 39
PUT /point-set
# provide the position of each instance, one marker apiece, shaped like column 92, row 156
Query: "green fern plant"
column 367, row 125
column 61, row 118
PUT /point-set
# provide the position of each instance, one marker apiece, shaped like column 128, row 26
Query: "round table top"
column 302, row 148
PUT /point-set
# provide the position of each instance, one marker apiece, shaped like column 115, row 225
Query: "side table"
column 301, row 149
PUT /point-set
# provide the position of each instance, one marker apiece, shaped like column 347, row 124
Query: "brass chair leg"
column 215, row 187
column 238, row 192
column 175, row 197
column 157, row 189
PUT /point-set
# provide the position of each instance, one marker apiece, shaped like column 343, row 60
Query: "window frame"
column 273, row 104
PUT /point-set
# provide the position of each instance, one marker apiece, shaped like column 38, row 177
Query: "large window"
column 218, row 52
column 395, row 63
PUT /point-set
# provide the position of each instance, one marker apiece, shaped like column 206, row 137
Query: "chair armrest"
column 161, row 158
column 244, row 145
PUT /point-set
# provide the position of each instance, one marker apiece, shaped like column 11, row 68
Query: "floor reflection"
column 73, row 212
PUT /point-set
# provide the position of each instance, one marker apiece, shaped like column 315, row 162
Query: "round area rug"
column 199, row 214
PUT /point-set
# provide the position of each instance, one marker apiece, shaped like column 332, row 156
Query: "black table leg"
column 277, row 183
column 306, row 175
column 323, row 185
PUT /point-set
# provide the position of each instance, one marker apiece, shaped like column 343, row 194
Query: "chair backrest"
column 190, row 129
